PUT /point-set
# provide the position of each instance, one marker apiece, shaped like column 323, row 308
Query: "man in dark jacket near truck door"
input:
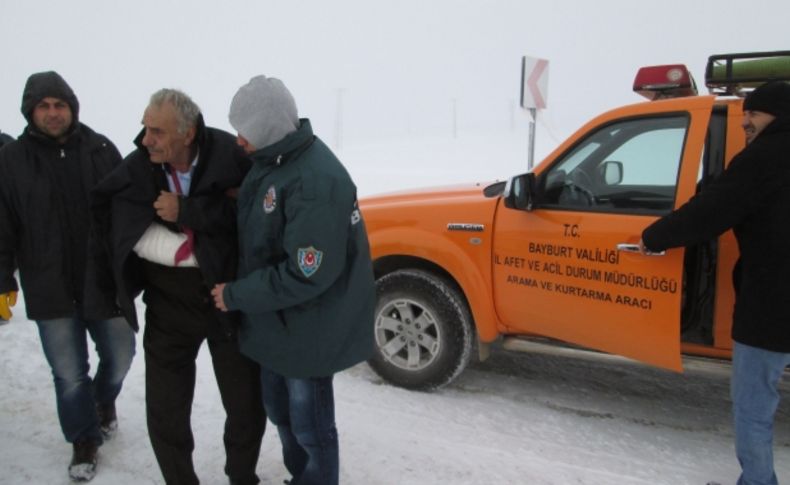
column 170, row 212
column 752, row 196
column 46, row 229
column 305, row 285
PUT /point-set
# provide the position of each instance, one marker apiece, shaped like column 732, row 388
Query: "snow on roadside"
column 540, row 418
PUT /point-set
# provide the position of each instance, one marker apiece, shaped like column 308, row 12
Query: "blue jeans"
column 304, row 412
column 755, row 375
column 65, row 345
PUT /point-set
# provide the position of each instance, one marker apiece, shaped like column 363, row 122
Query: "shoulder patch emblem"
column 270, row 200
column 309, row 260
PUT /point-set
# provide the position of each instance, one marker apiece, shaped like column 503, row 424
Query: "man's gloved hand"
column 7, row 300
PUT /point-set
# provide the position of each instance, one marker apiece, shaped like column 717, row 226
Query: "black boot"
column 108, row 419
column 83, row 461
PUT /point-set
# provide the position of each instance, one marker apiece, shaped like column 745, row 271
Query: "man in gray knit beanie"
column 263, row 111
column 305, row 285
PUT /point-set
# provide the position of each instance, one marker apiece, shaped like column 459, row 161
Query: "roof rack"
column 733, row 74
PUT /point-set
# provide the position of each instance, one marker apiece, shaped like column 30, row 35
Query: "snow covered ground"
column 550, row 417
column 541, row 418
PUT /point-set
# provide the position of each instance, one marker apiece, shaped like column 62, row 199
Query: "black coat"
column 4, row 138
column 45, row 227
column 124, row 201
column 752, row 196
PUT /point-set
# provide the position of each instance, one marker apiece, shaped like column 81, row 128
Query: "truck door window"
column 625, row 167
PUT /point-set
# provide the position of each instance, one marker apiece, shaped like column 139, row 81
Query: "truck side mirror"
column 611, row 172
column 520, row 192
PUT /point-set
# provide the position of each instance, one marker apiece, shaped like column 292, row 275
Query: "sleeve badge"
column 309, row 260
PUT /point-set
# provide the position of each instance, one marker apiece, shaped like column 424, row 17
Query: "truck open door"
column 563, row 259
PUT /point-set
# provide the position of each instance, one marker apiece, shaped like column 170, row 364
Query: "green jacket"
column 305, row 284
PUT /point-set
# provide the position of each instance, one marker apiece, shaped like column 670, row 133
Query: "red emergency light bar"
column 659, row 82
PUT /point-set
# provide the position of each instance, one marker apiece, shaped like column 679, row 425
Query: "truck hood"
column 431, row 195
column 397, row 223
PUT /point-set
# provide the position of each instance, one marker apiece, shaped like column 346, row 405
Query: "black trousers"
column 179, row 317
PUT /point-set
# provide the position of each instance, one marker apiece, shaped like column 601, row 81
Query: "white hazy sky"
column 367, row 69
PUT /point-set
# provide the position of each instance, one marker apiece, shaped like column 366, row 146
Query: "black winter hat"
column 772, row 97
column 47, row 84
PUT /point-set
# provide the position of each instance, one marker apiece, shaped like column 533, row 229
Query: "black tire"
column 423, row 330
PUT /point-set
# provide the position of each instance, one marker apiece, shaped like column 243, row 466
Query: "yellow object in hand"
column 7, row 300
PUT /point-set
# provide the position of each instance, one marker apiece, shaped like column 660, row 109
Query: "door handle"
column 634, row 248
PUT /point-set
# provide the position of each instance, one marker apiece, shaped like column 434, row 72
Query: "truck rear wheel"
column 423, row 330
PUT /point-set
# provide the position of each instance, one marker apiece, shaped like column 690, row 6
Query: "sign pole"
column 531, row 157
column 534, row 90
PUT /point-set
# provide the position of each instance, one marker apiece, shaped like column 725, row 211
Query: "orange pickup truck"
column 553, row 253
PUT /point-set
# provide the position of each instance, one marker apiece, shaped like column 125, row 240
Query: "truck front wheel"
column 423, row 330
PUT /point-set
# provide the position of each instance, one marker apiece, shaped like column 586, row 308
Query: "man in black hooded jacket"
column 752, row 196
column 170, row 211
column 5, row 313
column 46, row 229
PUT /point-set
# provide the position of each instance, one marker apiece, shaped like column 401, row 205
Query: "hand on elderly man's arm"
column 219, row 300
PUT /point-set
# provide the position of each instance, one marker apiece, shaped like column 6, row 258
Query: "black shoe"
column 108, row 419
column 83, row 461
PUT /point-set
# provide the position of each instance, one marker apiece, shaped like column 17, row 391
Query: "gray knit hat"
column 263, row 111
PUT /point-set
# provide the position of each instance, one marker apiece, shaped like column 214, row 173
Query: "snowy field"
column 549, row 417
column 539, row 418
